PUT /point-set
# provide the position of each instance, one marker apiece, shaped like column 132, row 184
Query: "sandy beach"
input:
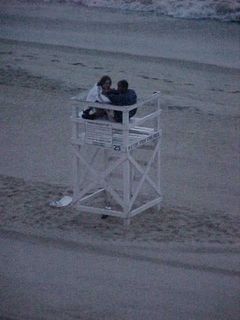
column 50, row 52
column 180, row 262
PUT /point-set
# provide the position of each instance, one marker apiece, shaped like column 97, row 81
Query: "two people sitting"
column 103, row 93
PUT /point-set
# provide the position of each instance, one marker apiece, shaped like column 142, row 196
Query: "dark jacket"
column 127, row 98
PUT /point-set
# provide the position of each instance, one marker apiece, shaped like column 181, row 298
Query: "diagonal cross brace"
column 140, row 169
column 144, row 174
column 100, row 178
column 90, row 162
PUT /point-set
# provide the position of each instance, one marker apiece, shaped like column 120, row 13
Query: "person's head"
column 105, row 82
column 122, row 86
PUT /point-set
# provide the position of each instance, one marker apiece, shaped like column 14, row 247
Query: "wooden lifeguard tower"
column 110, row 176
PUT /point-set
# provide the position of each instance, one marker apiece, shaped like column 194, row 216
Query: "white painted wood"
column 107, row 162
column 149, row 180
column 148, row 117
column 99, row 178
column 146, row 206
column 91, row 195
column 126, row 137
column 84, row 173
column 115, row 125
column 76, row 175
column 126, row 167
column 115, row 195
column 144, row 176
column 159, row 153
column 100, row 211
column 132, row 177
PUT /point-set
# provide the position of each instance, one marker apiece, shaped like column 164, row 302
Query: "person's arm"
column 109, row 92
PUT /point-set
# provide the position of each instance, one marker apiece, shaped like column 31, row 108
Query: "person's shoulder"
column 132, row 93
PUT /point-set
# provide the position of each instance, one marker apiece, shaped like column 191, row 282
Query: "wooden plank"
column 140, row 142
column 149, row 180
column 99, row 178
column 99, row 134
column 126, row 165
column 145, row 206
column 143, row 177
column 106, row 163
column 86, row 104
column 76, row 175
column 115, row 125
column 159, row 153
column 143, row 101
column 150, row 116
column 101, row 211
column 88, row 197
column 115, row 195
column 106, row 172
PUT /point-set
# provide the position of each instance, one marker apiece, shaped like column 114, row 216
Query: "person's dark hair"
column 103, row 80
column 123, row 83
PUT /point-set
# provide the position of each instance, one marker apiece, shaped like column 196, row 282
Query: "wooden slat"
column 146, row 206
column 88, row 197
column 101, row 211
column 143, row 177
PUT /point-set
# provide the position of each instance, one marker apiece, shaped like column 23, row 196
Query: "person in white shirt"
column 98, row 93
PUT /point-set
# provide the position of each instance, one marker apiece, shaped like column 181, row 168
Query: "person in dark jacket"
column 122, row 97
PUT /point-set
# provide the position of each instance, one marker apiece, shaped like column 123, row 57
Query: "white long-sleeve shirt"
column 95, row 95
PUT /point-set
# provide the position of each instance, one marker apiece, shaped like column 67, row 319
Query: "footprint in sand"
column 6, row 52
column 29, row 56
column 179, row 108
column 144, row 77
column 236, row 91
column 218, row 90
column 167, row 80
column 78, row 64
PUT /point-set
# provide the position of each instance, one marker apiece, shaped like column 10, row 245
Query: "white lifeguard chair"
column 109, row 171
